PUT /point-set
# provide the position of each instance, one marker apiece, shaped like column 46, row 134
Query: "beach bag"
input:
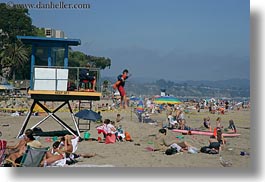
column 110, row 138
column 127, row 136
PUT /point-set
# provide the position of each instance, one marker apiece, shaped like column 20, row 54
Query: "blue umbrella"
column 88, row 115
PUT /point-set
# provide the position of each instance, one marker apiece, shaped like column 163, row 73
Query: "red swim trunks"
column 121, row 90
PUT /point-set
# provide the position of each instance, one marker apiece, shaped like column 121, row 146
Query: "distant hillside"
column 224, row 84
column 223, row 88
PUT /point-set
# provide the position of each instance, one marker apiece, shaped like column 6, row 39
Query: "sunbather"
column 30, row 141
column 10, row 149
column 162, row 142
column 62, row 152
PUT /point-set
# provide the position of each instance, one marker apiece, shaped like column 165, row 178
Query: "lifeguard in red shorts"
column 120, row 86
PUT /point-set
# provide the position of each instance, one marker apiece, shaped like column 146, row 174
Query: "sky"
column 159, row 39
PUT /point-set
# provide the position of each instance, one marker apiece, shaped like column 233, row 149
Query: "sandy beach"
column 135, row 154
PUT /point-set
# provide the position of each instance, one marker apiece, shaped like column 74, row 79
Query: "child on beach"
column 118, row 118
column 207, row 123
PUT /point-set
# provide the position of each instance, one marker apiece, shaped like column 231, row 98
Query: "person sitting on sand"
column 207, row 123
column 111, row 129
column 56, row 153
column 103, row 128
column 218, row 141
column 183, row 125
column 180, row 115
column 218, row 122
column 171, row 122
column 62, row 149
column 118, row 118
column 162, row 142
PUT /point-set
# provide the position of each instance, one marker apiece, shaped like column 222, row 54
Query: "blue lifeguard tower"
column 50, row 82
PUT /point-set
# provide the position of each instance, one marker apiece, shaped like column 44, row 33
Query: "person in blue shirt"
column 86, row 78
column 120, row 86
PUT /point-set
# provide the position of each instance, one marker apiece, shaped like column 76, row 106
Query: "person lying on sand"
column 62, row 149
column 162, row 142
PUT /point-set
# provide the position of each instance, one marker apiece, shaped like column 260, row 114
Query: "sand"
column 134, row 154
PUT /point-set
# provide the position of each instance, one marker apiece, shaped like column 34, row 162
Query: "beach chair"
column 2, row 151
column 31, row 158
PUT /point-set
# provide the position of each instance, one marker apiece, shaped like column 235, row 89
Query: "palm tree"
column 105, row 86
column 13, row 56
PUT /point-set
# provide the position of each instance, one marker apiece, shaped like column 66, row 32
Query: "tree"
column 100, row 62
column 13, row 22
column 38, row 31
column 16, row 21
column 14, row 56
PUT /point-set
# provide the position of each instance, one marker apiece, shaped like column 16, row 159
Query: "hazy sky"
column 170, row 39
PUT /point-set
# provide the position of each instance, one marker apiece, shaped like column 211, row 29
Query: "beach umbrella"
column 167, row 100
column 140, row 107
column 134, row 98
column 88, row 115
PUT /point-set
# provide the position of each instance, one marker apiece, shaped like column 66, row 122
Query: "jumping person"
column 120, row 86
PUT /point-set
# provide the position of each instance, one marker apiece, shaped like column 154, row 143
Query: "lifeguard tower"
column 50, row 82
